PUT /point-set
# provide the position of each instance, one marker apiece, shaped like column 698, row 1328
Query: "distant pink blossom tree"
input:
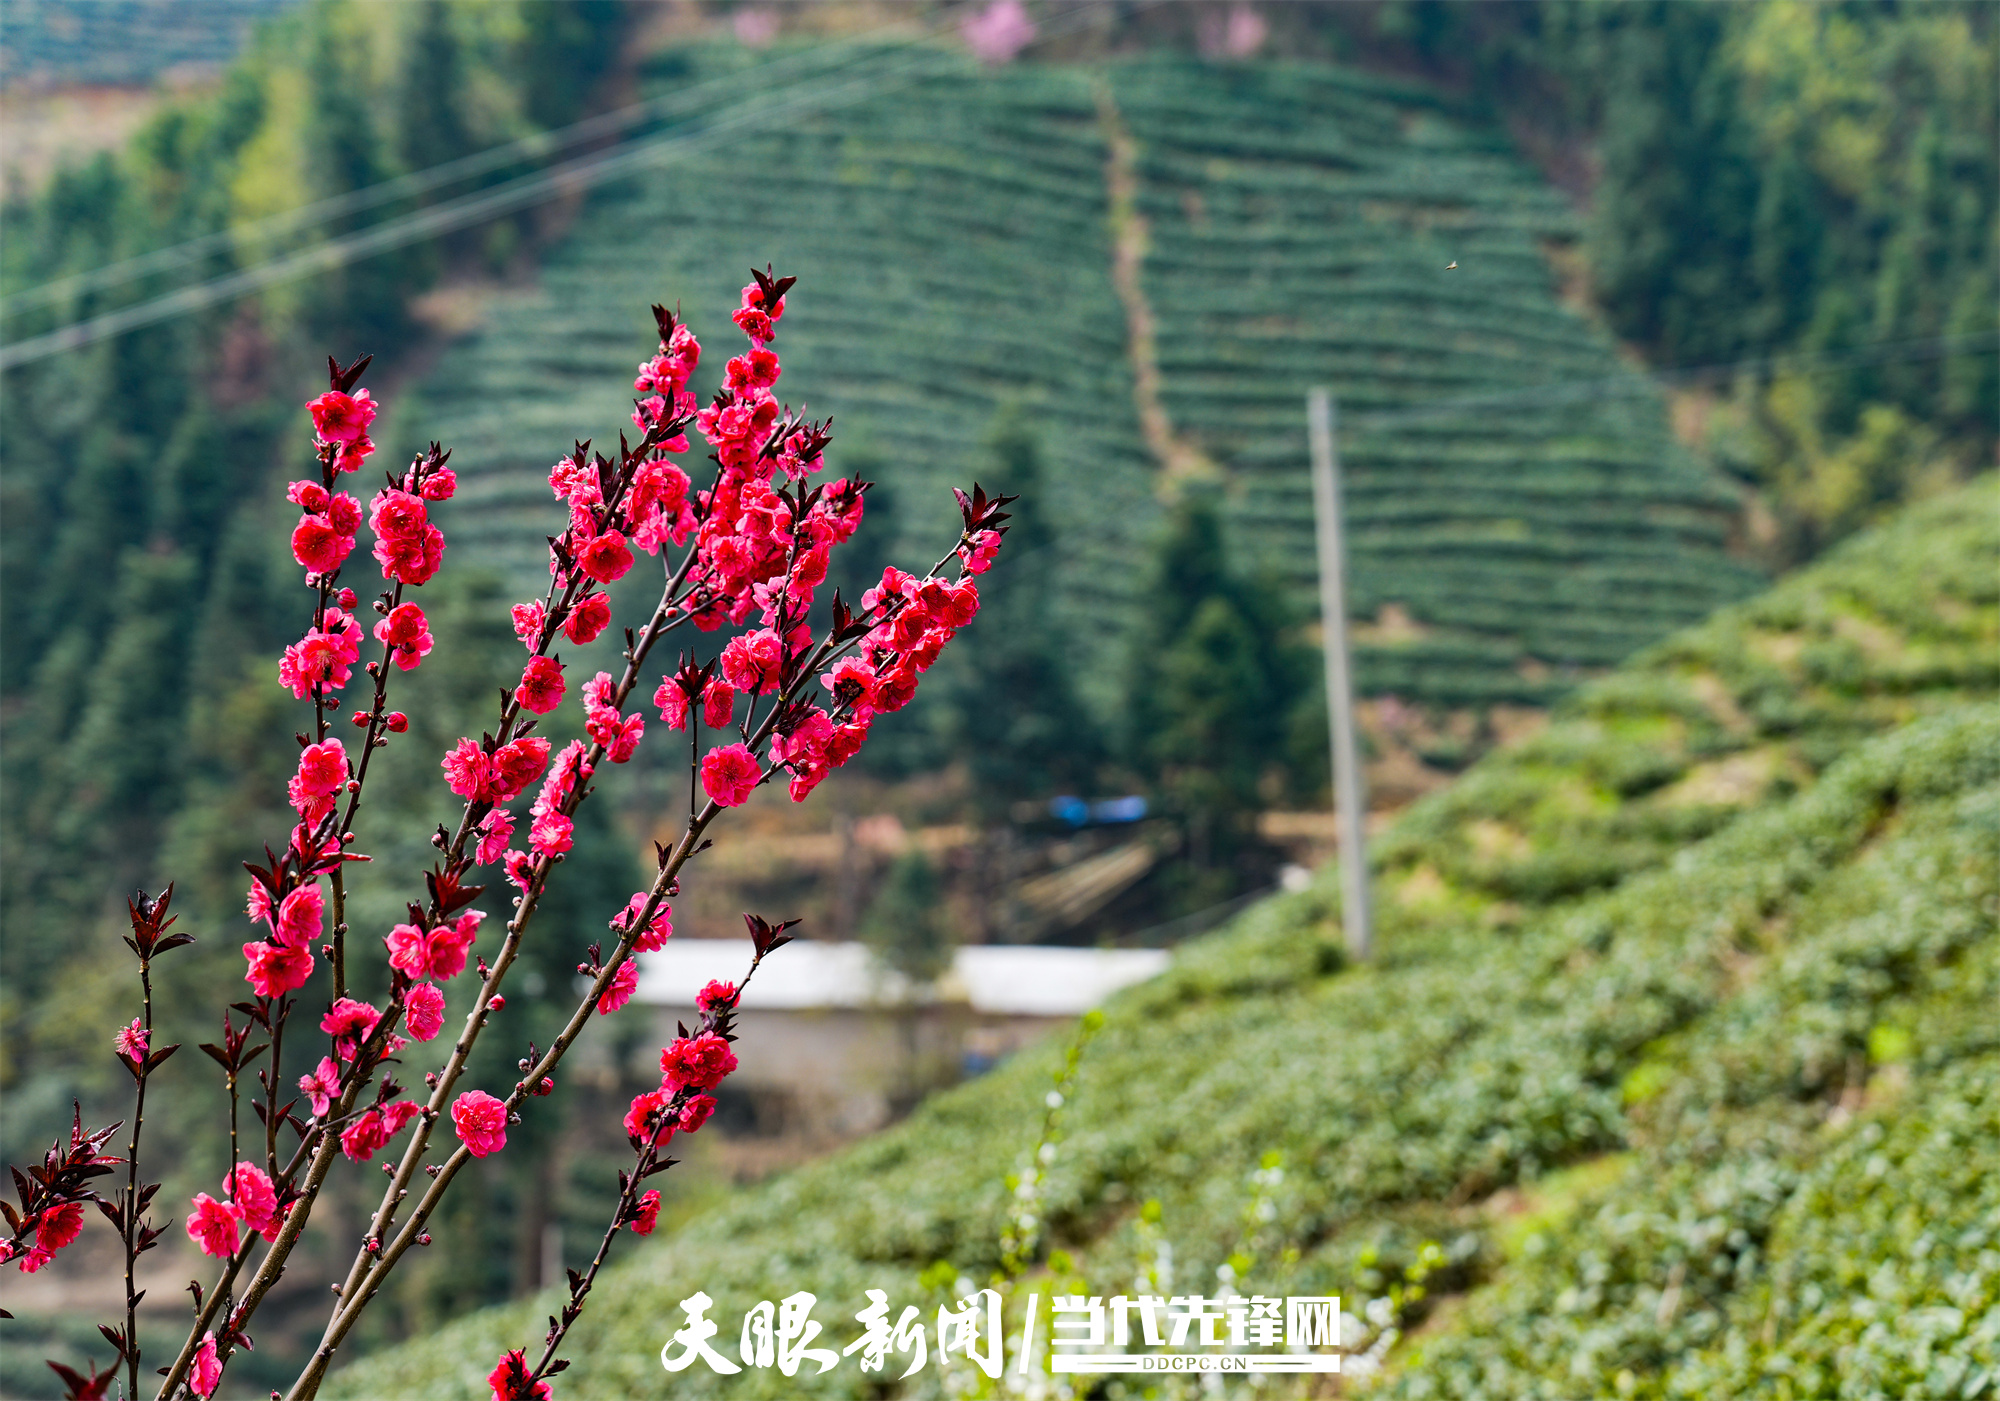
column 998, row 32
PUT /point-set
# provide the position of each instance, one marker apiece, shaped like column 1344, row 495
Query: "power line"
column 572, row 176
column 532, row 147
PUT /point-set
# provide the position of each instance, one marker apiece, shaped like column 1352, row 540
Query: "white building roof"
column 1001, row 979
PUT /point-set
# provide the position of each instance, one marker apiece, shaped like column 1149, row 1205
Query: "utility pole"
column 1347, row 794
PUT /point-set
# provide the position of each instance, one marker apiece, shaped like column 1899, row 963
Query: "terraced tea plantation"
column 955, row 235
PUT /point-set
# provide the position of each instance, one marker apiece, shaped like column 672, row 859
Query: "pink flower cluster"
column 408, row 634
column 619, row 734
column 496, row 777
column 350, row 1023
column 407, row 545
column 281, row 962
column 57, row 1227
column 698, row 1062
column 328, row 522
column 322, row 773
column 655, row 935
column 752, row 555
column 438, row 953
column 248, row 1201
column 341, row 422
column 374, row 1127
column 324, row 658
column 550, row 827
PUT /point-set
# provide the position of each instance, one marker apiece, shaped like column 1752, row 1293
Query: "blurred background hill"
column 1724, row 294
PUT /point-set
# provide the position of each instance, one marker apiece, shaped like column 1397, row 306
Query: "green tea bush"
column 1664, row 1074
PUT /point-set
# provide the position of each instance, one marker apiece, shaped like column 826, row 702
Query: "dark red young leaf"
column 345, row 380
column 149, row 920
column 981, row 512
column 772, row 287
column 447, row 894
column 765, row 936
column 82, row 1388
column 818, row 435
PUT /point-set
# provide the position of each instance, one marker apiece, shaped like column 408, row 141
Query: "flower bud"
column 497, row 1003
column 347, row 598
column 398, row 722
column 360, row 717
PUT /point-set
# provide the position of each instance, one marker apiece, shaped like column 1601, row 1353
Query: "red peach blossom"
column 322, row 1086
column 519, row 763
column 511, row 1380
column 718, row 704
column 606, row 558
column 647, row 1214
column 481, row 1121
column 255, row 1199
column 423, row 1011
column 650, row 1109
column 206, row 1371
column 587, row 619
column 541, row 688
column 212, row 1225
column 131, row 1042
column 729, row 774
column 275, row 969
column 698, row 1062
column 342, row 418
column 620, row 989
column 318, row 546
column 468, row 771
column 695, row 1112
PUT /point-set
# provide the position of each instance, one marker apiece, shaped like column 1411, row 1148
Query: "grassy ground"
column 1715, row 1117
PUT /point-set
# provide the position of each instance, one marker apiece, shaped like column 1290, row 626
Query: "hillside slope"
column 1289, row 225
column 1629, row 1127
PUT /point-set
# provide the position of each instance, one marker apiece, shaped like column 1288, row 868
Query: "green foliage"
column 1213, row 674
column 1750, row 705
column 1002, row 701
column 905, row 923
column 1018, row 722
column 1709, row 1231
column 1776, row 177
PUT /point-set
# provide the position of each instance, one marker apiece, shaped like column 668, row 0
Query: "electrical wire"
column 532, row 147
column 566, row 178
column 556, row 181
